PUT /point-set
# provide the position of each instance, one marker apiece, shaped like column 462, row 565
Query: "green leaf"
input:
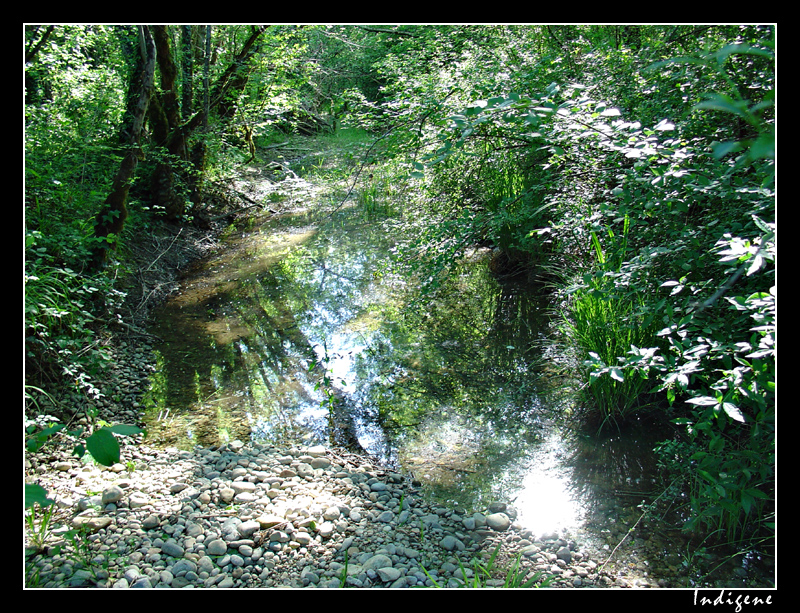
column 125, row 430
column 36, row 494
column 720, row 150
column 763, row 147
column 733, row 411
column 747, row 503
column 756, row 493
column 103, row 447
column 707, row 476
column 705, row 401
column 762, row 225
column 726, row 104
column 740, row 49
column 39, row 439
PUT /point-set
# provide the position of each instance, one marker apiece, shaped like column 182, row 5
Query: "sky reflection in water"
column 430, row 388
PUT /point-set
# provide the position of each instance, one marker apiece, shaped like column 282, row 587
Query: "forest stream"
column 300, row 330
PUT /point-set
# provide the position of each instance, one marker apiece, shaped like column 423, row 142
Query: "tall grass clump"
column 382, row 190
column 611, row 335
column 606, row 330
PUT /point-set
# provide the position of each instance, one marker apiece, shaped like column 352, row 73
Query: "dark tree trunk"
column 226, row 93
column 199, row 150
column 130, row 43
column 172, row 136
column 111, row 218
column 165, row 117
column 189, row 38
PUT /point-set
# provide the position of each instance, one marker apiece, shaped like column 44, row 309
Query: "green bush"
column 62, row 307
column 658, row 204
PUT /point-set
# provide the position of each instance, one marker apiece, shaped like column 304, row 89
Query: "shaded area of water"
column 305, row 308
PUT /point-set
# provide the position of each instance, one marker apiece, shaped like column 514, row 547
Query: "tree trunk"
column 232, row 82
column 111, row 218
column 199, row 150
column 173, row 136
column 165, row 117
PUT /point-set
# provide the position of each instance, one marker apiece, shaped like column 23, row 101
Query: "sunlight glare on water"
column 546, row 502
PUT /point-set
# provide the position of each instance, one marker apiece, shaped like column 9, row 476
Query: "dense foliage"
column 636, row 167
column 631, row 167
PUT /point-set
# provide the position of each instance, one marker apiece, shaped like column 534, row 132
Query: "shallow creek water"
column 299, row 331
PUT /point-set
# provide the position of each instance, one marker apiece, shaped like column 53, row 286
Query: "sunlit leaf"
column 733, row 411
column 703, row 401
column 756, row 265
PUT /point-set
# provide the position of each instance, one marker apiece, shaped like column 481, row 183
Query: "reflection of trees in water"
column 518, row 320
column 467, row 349
column 621, row 460
column 240, row 344
column 249, row 335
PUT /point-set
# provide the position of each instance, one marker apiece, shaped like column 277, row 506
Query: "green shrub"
column 62, row 307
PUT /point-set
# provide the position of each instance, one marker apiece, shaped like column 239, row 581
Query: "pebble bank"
column 255, row 516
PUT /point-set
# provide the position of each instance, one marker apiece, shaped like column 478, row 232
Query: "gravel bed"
column 247, row 516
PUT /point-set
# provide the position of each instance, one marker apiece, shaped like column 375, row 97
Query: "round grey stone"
column 149, row 522
column 377, row 561
column 386, row 516
column 241, row 487
column 320, row 463
column 389, row 574
column 183, row 566
column 326, row 529
column 112, row 494
column 171, row 548
column 451, row 543
column 331, row 514
column 217, row 547
column 498, row 521
column 247, row 528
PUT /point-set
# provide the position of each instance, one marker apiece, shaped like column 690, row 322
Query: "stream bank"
column 158, row 518
column 150, row 504
column 258, row 516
